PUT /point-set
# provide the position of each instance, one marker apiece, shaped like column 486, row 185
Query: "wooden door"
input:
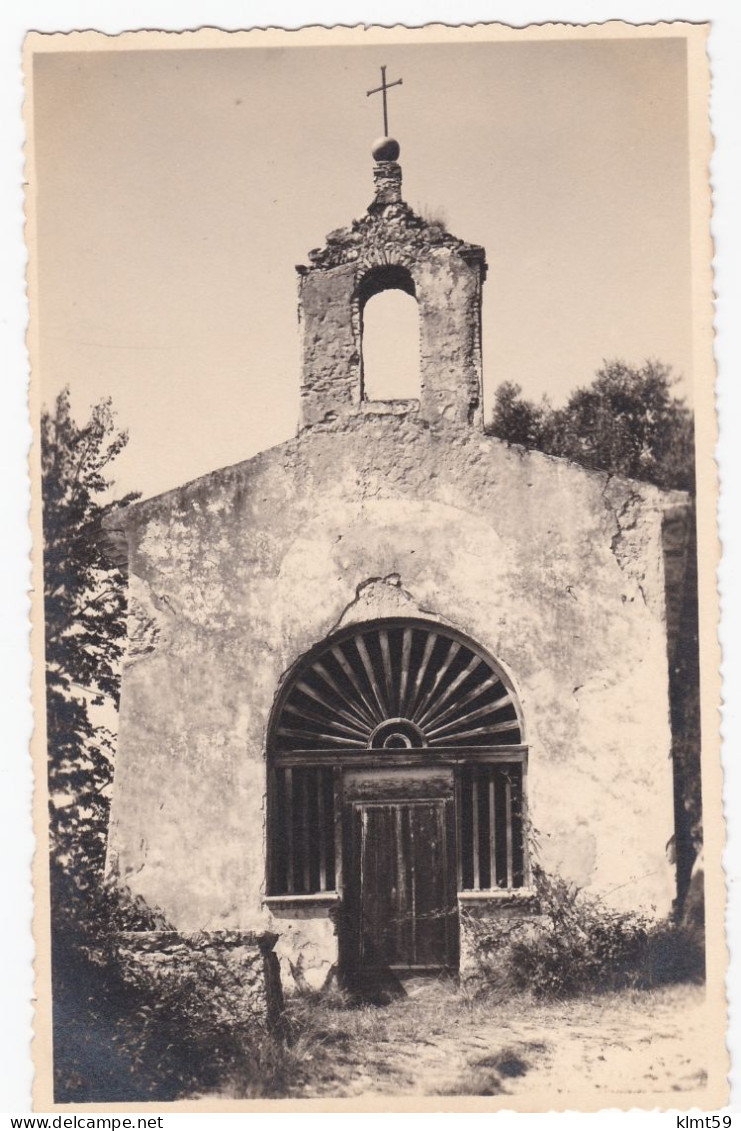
column 405, row 906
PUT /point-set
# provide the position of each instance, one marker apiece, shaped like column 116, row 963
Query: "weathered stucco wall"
column 404, row 509
column 556, row 571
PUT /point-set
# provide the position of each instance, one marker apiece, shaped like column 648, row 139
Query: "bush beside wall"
column 565, row 942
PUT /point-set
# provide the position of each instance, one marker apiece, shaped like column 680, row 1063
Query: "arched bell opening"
column 397, row 785
column 389, row 335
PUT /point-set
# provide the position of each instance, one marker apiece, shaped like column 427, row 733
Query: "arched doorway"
column 397, row 781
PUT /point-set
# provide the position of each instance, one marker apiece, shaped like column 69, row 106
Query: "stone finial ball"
column 386, row 149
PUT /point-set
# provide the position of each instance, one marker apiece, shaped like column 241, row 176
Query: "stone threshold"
column 498, row 895
column 315, row 898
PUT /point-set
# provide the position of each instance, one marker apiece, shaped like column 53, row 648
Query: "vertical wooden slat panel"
column 527, row 878
column 508, row 825
column 330, row 817
column 413, row 886
column 289, row 828
column 305, row 830
column 337, row 791
column 491, row 772
column 446, row 892
column 274, row 842
column 369, row 887
column 458, row 823
column 321, row 819
column 475, row 826
column 363, row 816
column 399, row 870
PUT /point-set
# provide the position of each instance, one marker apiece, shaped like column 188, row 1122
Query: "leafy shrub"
column 120, row 1039
column 577, row 944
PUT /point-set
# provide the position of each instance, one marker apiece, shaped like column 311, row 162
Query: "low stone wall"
column 307, row 946
column 488, row 929
column 233, row 975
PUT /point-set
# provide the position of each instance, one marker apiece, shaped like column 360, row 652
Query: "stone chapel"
column 378, row 672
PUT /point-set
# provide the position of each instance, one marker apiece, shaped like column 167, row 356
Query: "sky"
column 176, row 191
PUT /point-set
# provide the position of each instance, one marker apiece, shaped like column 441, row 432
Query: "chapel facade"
column 381, row 673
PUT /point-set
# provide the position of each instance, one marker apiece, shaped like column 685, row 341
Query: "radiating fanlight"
column 395, row 686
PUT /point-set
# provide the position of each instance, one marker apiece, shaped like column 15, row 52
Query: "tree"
column 84, row 601
column 627, row 422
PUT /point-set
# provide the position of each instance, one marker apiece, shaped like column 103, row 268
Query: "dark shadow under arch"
column 389, row 277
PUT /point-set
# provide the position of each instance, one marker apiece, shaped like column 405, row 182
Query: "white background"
column 16, row 841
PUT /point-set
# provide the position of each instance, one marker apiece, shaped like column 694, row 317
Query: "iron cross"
column 382, row 89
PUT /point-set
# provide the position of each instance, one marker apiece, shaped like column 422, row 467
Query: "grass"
column 450, row 1041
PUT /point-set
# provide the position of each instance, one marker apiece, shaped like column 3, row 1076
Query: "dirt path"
column 436, row 1042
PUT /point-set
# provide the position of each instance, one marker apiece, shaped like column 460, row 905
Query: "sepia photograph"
column 376, row 670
